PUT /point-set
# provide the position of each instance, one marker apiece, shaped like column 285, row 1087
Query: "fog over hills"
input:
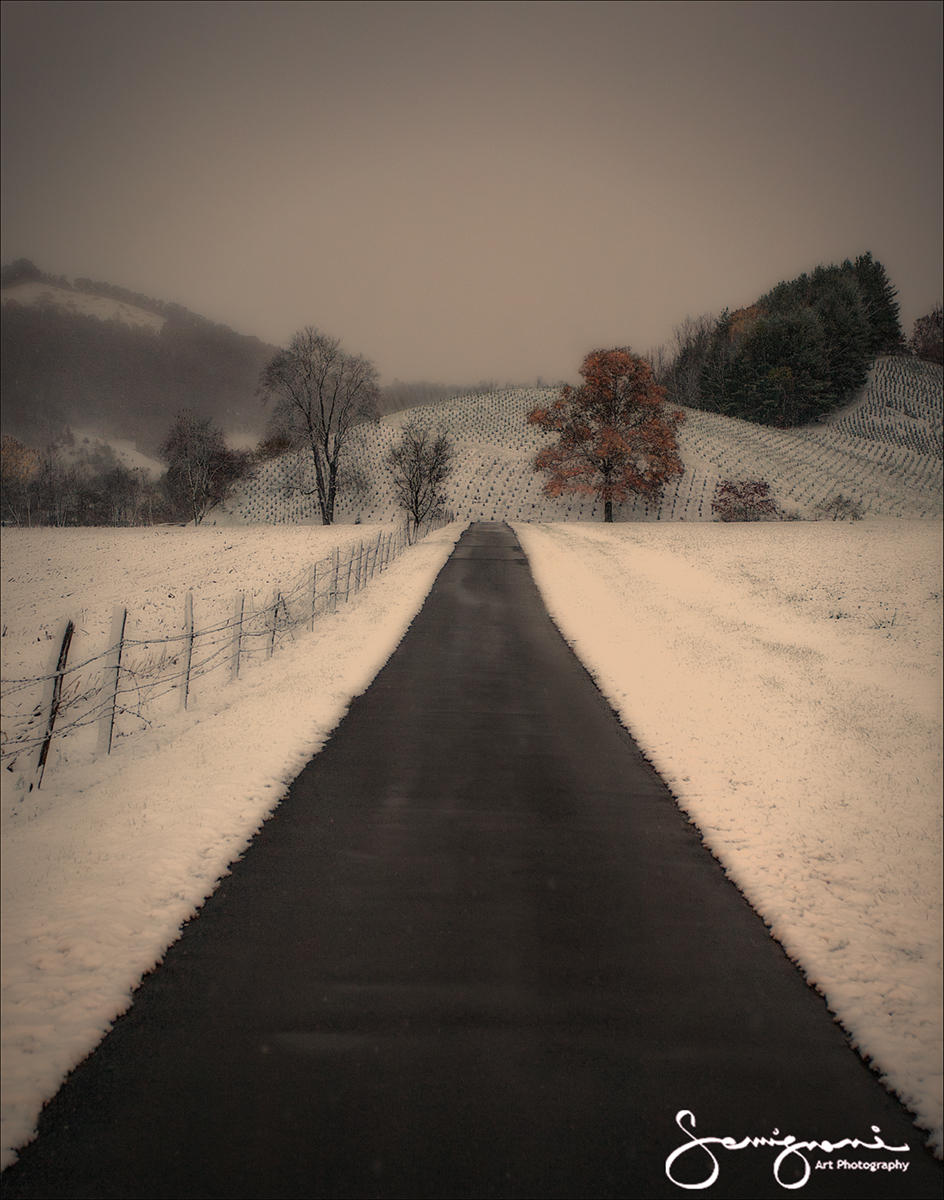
column 108, row 363
column 84, row 355
column 87, row 355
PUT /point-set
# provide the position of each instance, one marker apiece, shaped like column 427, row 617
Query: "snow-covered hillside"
column 901, row 404
column 35, row 292
column 884, row 453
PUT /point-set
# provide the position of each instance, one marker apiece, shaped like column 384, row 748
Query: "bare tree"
column 321, row 394
column 927, row 340
column 420, row 463
column 200, row 467
column 692, row 339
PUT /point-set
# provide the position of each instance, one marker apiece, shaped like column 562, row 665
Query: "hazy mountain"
column 93, row 356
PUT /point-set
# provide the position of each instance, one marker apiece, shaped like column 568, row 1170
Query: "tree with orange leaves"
column 615, row 439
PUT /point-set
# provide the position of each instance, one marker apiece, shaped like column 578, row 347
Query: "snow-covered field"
column 102, row 865
column 785, row 680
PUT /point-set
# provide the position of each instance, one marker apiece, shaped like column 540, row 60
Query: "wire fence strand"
column 152, row 668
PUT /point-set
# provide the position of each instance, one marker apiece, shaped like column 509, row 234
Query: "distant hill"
column 884, row 452
column 81, row 354
column 93, row 356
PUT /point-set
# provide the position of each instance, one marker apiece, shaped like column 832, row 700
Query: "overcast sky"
column 469, row 191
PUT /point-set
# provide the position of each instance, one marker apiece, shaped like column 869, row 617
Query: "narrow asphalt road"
column 476, row 952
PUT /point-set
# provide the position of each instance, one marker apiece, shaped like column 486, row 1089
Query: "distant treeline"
column 67, row 370
column 76, row 484
column 82, row 481
column 397, row 396
column 802, row 349
column 24, row 271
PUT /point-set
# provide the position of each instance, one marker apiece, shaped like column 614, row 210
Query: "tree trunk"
column 607, row 510
column 320, row 488
column 332, row 492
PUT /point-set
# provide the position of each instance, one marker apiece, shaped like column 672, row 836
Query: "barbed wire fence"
column 118, row 690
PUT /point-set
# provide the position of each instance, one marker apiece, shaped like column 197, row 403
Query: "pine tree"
column 846, row 334
column 783, row 369
column 881, row 307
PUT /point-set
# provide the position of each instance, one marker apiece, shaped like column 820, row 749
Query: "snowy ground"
column 785, row 679
column 102, row 866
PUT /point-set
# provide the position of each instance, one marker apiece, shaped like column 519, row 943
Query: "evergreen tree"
column 804, row 347
column 881, row 307
column 783, row 369
column 716, row 375
column 846, row 334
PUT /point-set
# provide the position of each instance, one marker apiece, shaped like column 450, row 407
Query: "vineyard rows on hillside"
column 883, row 452
column 902, row 404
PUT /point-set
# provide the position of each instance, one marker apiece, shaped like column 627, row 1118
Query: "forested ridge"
column 801, row 350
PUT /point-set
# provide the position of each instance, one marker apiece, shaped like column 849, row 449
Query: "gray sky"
column 467, row 191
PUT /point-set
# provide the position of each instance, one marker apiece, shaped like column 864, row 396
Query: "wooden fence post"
column 347, row 585
column 188, row 632
column 238, row 632
column 56, row 698
column 275, row 622
column 314, row 593
column 119, row 621
column 334, row 584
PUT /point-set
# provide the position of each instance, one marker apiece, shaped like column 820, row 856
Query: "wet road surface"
column 477, row 951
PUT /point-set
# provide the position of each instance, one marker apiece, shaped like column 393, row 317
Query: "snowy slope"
column 785, row 680
column 901, row 404
column 36, row 292
column 885, row 455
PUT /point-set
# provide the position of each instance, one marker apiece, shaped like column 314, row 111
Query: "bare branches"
column 321, row 393
column 420, row 463
column 200, row 467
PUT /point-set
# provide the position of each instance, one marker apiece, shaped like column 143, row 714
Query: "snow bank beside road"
column 103, row 865
column 785, row 679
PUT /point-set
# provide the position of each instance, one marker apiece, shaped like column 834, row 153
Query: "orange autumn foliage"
column 615, row 439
